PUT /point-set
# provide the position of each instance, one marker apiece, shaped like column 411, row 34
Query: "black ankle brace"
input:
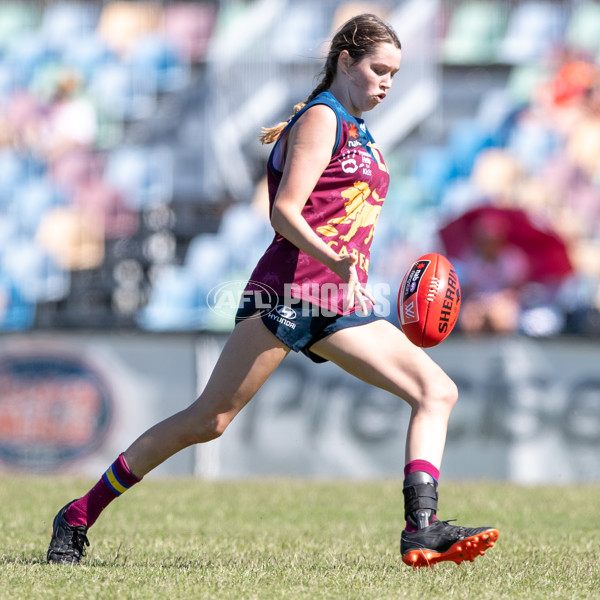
column 420, row 498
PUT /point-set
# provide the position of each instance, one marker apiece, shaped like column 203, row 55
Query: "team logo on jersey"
column 362, row 208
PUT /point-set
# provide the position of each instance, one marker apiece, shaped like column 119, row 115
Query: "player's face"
column 370, row 79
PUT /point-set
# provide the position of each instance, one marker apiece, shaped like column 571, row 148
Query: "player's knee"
column 206, row 429
column 441, row 394
column 214, row 428
column 450, row 394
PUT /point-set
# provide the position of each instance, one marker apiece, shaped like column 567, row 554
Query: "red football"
column 429, row 300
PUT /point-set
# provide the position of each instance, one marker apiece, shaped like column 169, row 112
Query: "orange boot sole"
column 468, row 549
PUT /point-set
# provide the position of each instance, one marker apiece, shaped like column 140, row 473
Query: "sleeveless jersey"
column 342, row 209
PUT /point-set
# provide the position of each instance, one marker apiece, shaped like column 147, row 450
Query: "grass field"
column 176, row 539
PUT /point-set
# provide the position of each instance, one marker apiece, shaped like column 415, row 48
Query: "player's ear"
column 344, row 61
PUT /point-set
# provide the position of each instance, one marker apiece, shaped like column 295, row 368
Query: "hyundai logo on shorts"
column 285, row 311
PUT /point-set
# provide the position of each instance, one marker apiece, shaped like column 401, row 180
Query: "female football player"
column 327, row 182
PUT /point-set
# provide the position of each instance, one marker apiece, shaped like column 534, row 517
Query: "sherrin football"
column 429, row 300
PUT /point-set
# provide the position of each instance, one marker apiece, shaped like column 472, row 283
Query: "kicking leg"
column 380, row 354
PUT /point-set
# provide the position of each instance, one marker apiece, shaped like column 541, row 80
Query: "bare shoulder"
column 318, row 123
column 320, row 114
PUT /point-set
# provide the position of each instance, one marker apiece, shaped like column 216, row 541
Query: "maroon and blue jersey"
column 342, row 209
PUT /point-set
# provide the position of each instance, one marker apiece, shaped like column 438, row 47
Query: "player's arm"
column 309, row 148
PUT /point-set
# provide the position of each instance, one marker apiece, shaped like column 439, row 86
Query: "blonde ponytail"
column 271, row 134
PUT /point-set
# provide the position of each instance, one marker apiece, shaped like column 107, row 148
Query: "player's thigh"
column 381, row 355
column 249, row 357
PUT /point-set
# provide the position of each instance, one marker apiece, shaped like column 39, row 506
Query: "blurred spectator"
column 583, row 147
column 189, row 27
column 493, row 274
column 511, row 267
column 496, row 174
column 571, row 94
column 73, row 237
column 71, row 119
column 121, row 24
column 24, row 117
column 46, row 123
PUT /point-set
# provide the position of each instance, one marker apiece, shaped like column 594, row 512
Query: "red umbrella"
column 546, row 251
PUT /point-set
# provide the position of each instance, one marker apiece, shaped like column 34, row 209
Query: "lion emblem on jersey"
column 359, row 213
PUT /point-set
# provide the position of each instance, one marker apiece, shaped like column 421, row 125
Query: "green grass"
column 184, row 538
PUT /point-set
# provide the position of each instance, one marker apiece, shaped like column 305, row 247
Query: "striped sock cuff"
column 118, row 477
column 114, row 482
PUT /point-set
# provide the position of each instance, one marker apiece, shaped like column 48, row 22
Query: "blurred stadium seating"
column 130, row 167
